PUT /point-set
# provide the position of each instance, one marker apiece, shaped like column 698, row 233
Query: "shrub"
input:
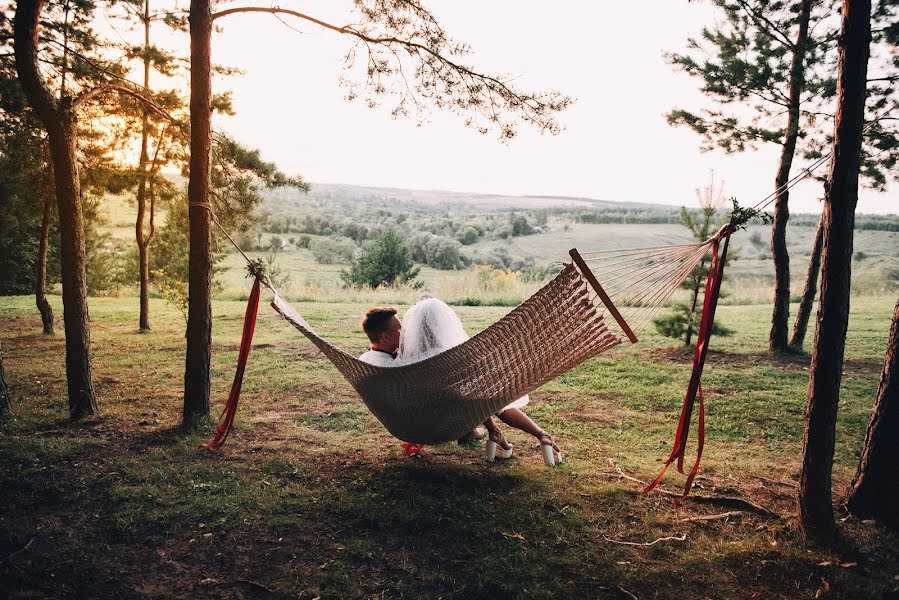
column 468, row 235
column 436, row 251
column 387, row 262
column 674, row 324
column 333, row 250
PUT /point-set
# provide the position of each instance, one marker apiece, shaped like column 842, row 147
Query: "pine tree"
column 386, row 262
column 761, row 57
column 825, row 372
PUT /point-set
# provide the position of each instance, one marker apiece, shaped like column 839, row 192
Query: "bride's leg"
column 496, row 436
column 519, row 420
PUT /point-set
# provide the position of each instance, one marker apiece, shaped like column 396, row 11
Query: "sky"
column 615, row 146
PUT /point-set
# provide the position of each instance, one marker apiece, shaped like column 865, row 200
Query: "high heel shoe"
column 551, row 456
column 495, row 451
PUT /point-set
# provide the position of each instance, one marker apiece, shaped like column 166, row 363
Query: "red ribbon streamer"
column 694, row 388
column 227, row 417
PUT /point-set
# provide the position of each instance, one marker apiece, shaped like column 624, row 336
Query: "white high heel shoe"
column 495, row 451
column 551, row 456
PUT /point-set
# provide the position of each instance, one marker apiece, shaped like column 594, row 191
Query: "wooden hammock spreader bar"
column 588, row 275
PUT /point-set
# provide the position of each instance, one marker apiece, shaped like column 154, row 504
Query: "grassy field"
column 312, row 498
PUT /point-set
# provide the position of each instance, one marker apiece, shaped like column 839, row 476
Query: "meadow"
column 311, row 498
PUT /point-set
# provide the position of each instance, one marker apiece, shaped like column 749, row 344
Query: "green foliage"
column 676, row 323
column 276, row 275
column 468, row 235
column 744, row 59
column 437, row 251
column 740, row 216
column 328, row 250
column 386, row 262
column 169, row 261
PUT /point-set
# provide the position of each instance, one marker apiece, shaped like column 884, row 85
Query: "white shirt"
column 377, row 358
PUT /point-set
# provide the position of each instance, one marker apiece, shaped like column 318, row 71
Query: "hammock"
column 569, row 320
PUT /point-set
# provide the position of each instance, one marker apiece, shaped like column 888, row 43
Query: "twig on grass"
column 627, row 593
column 789, row 484
column 731, row 514
column 728, row 501
column 18, row 552
column 671, row 538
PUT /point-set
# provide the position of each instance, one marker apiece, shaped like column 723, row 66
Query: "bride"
column 431, row 327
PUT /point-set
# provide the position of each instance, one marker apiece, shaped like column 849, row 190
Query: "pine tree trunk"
column 143, row 261
column 875, row 489
column 777, row 341
column 199, row 311
column 808, row 292
column 815, row 492
column 40, row 270
column 5, row 399
column 60, row 122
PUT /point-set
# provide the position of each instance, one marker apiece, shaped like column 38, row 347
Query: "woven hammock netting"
column 602, row 299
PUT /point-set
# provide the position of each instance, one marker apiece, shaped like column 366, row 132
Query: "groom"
column 383, row 327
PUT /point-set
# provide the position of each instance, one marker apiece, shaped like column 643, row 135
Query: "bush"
column 860, row 256
column 674, row 324
column 520, row 225
column 387, row 262
column 333, row 250
column 436, row 251
column 468, row 235
column 756, row 239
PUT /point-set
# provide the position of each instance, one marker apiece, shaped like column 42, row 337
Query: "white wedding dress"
column 429, row 328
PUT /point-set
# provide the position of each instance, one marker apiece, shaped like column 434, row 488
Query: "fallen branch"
column 731, row 514
column 789, row 484
column 727, row 501
column 627, row 593
column 19, row 551
column 672, row 538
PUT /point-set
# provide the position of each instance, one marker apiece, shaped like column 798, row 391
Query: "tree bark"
column 5, row 399
column 808, row 292
column 815, row 491
column 777, row 341
column 60, row 122
column 40, row 270
column 143, row 243
column 875, row 489
column 199, row 310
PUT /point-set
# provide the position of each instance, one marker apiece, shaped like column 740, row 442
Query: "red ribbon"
column 694, row 388
column 227, row 417
column 412, row 449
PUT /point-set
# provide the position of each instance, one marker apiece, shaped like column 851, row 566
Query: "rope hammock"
column 571, row 319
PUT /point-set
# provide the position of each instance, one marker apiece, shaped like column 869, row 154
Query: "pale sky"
column 608, row 56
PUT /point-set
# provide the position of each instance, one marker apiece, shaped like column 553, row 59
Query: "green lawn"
column 312, row 498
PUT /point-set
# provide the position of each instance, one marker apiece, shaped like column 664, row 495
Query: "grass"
column 312, row 498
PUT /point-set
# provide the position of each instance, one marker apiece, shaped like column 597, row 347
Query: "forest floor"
column 311, row 498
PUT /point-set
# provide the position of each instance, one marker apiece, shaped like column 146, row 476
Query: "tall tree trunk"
column 40, row 270
column 199, row 310
column 142, row 242
column 5, row 399
column 808, row 292
column 60, row 122
column 777, row 341
column 875, row 489
column 815, row 491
